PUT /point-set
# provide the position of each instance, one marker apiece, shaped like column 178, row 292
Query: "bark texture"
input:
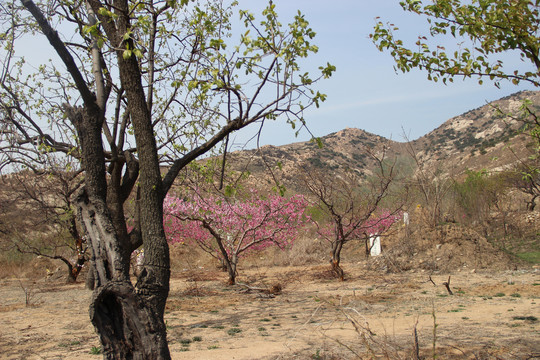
column 129, row 327
column 336, row 259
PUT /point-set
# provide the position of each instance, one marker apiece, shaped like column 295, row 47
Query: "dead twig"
column 447, row 285
column 29, row 294
column 416, row 349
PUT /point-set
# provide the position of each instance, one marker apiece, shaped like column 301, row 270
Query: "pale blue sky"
column 366, row 92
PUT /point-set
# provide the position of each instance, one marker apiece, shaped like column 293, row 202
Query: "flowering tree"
column 228, row 228
column 350, row 206
column 354, row 228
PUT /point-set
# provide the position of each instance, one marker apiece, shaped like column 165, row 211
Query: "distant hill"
column 482, row 138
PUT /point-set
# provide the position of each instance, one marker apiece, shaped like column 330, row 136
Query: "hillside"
column 482, row 138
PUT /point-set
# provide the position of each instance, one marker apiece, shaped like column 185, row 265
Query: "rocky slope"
column 488, row 137
column 483, row 138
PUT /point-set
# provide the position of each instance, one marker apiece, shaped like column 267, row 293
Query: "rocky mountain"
column 489, row 137
column 483, row 138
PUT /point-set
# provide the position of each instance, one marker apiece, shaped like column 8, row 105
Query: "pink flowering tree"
column 228, row 228
column 350, row 207
column 342, row 229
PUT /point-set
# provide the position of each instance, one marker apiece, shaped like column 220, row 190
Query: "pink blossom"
column 240, row 225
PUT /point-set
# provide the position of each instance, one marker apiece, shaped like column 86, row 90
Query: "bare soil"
column 371, row 315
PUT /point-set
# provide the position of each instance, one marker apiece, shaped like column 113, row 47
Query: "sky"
column 366, row 92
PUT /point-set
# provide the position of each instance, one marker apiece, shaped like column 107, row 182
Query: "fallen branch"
column 274, row 290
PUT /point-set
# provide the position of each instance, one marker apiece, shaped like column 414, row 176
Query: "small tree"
column 480, row 197
column 46, row 200
column 227, row 227
column 351, row 206
column 525, row 176
column 378, row 224
column 431, row 185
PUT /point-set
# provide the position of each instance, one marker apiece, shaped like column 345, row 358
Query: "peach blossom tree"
column 352, row 207
column 228, row 228
column 342, row 230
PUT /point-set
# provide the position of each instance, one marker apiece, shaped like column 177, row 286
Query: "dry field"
column 372, row 315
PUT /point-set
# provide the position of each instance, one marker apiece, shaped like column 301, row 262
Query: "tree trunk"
column 232, row 277
column 231, row 269
column 153, row 284
column 368, row 247
column 531, row 204
column 81, row 259
column 90, row 281
column 229, row 262
column 135, row 331
column 129, row 323
column 336, row 259
column 129, row 326
column 230, row 266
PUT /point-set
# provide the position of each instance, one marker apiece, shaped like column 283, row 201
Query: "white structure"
column 375, row 245
column 406, row 218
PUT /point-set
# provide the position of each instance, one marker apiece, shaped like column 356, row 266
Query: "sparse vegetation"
column 185, row 342
column 532, row 257
column 311, row 306
column 233, row 331
column 526, row 318
column 95, row 350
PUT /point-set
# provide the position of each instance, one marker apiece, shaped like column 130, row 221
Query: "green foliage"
column 478, row 194
column 487, row 27
column 95, row 350
column 201, row 78
column 233, row 331
column 531, row 256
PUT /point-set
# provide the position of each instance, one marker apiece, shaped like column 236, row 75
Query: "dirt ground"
column 491, row 315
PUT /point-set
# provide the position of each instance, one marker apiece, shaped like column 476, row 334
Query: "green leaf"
column 192, row 84
column 138, row 53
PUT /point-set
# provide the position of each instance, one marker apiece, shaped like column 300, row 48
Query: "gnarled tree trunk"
column 129, row 321
column 130, row 324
